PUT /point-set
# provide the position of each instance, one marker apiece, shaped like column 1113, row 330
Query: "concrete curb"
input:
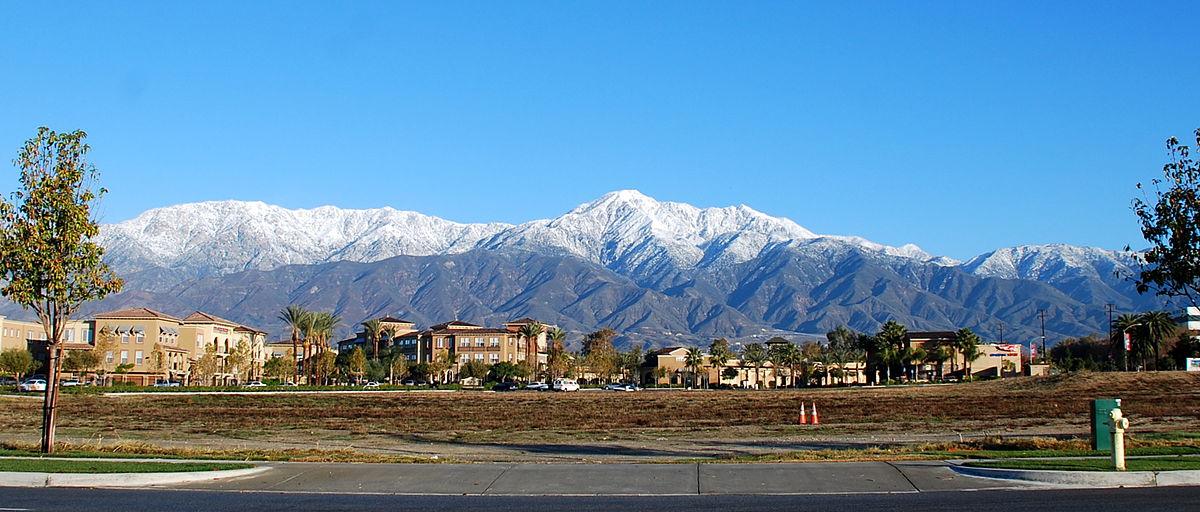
column 21, row 479
column 1086, row 478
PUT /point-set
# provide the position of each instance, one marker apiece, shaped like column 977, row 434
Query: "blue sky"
column 958, row 126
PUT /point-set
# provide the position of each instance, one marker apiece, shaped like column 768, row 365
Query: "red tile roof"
column 136, row 314
column 205, row 318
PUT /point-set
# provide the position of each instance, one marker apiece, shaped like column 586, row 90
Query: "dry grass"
column 1155, row 401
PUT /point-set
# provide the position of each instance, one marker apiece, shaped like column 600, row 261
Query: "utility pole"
column 1042, row 316
column 1124, row 357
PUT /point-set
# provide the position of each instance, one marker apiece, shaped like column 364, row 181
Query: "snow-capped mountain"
column 1051, row 262
column 220, row 237
column 659, row 271
column 624, row 230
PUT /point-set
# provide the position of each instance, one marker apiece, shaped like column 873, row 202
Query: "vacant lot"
column 610, row 425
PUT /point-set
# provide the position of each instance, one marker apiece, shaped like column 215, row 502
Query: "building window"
column 478, row 357
column 494, row 357
column 137, row 357
column 495, row 342
column 466, row 358
column 108, row 357
column 125, row 338
column 439, row 342
column 141, row 337
column 478, row 342
column 87, row 335
column 124, row 357
column 465, row 342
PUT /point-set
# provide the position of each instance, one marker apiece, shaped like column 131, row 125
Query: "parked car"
column 537, row 386
column 621, row 386
column 289, row 383
column 411, row 382
column 565, row 385
column 255, row 384
column 8, row 381
column 69, row 383
column 371, row 385
column 166, row 384
column 31, row 385
column 506, row 386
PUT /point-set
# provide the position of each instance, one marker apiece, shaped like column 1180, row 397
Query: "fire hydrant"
column 1116, row 426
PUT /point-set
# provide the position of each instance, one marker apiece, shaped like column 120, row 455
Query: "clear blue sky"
column 959, row 126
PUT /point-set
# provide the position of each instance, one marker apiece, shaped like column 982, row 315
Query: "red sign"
column 1128, row 342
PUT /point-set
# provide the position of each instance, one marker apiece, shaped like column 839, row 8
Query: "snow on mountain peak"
column 1049, row 261
column 624, row 229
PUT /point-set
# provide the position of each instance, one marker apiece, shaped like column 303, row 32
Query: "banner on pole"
column 1128, row 342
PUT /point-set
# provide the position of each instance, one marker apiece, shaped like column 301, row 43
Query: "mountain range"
column 660, row 272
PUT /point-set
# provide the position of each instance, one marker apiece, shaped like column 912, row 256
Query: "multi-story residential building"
column 142, row 346
column 400, row 329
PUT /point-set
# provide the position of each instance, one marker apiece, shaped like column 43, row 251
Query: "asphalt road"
column 1074, row 500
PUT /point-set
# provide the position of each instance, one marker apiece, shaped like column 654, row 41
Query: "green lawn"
column 97, row 466
column 1150, row 464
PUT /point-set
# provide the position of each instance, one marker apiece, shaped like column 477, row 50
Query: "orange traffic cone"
column 803, row 418
column 815, row 419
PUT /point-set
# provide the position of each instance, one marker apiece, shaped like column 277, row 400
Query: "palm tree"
column 1159, row 325
column 295, row 317
column 373, row 330
column 530, row 332
column 895, row 335
column 756, row 355
column 308, row 336
column 323, row 325
column 718, row 356
column 1132, row 325
column 556, row 353
column 914, row 357
column 938, row 357
column 841, row 348
column 968, row 345
column 694, row 360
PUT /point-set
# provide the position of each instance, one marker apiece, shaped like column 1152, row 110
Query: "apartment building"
column 401, row 329
column 141, row 346
column 203, row 333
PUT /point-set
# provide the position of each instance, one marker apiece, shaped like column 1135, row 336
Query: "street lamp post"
column 1128, row 342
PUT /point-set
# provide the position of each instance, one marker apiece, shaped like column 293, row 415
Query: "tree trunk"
column 50, row 401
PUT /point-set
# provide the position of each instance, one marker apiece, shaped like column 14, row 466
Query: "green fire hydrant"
column 1117, row 424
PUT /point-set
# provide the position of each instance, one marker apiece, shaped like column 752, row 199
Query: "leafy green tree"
column 397, row 363
column 503, row 371
column 325, row 367
column 376, row 370
column 474, row 368
column 80, row 361
column 631, row 364
column 357, row 364
column 755, row 354
column 1170, row 221
column 51, row 262
column 599, row 353
column 205, row 366
column 278, row 368
column 17, row 362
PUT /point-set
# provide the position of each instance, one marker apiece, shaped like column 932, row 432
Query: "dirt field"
column 595, row 425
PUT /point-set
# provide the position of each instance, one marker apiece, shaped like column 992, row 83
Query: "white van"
column 565, row 385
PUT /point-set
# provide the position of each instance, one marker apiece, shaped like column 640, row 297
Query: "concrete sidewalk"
column 607, row 479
